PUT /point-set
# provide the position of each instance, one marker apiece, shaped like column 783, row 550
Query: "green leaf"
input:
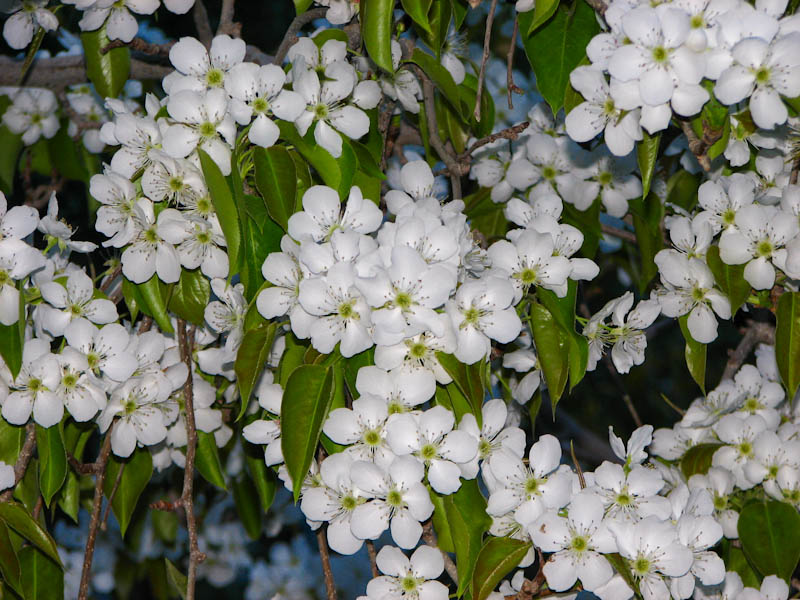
column 557, row 47
column 770, row 536
column 165, row 525
column 190, row 296
column 108, row 72
column 174, row 576
column 439, row 17
column 622, row 567
column 563, row 311
column 335, row 173
column 207, row 460
column 682, row 189
column 12, row 145
column 552, row 348
column 418, row 11
column 735, row 560
column 9, row 563
column 136, row 472
column 787, row 340
column 52, row 461
column 17, row 518
column 440, row 77
column 251, row 358
column 276, row 181
column 225, row 208
column 41, row 578
column 698, row 459
column 729, row 278
column 154, row 302
column 245, row 497
column 441, row 525
column 263, row 478
column 367, row 164
column 647, row 217
column 12, row 437
column 376, row 31
column 66, row 155
column 646, row 155
column 466, row 514
column 542, row 11
column 695, row 354
column 470, row 380
column 12, row 337
column 497, row 558
column 306, row 401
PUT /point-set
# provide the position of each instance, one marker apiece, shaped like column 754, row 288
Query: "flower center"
column 764, row 249
column 408, row 583
column 697, row 22
column 428, row 452
column 76, row 310
column 608, row 106
column 372, row 438
column 395, row 499
column 130, row 406
column 215, row 77
column 751, row 404
column 35, row 385
column 527, row 276
column 93, row 359
column 403, row 300
column 4, row 277
column 151, row 235
column 579, row 543
column 175, row 184
column 532, row 486
column 746, row 449
column 260, row 105
column 720, row 502
column 762, row 75
column 549, row 172
column 349, row 503
column 660, row 54
column 624, row 499
column 346, row 310
column 605, row 178
column 69, row 381
column 698, row 294
column 484, row 448
column 729, row 216
column 471, row 317
column 203, row 237
column 321, row 111
column 208, row 129
column 418, row 350
column 641, row 566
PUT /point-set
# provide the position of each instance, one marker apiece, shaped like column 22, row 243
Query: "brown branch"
column 373, row 558
column 23, row 460
column 145, row 325
column 699, row 146
column 290, row 37
column 324, row 554
column 453, row 167
column 226, row 23
column 487, row 41
column 81, row 468
column 626, row 236
column 59, row 72
column 755, row 333
column 509, row 133
column 186, row 344
column 795, row 171
column 202, row 23
column 139, row 45
column 429, row 537
column 512, row 87
column 97, row 505
column 599, row 6
column 384, row 120
column 109, row 279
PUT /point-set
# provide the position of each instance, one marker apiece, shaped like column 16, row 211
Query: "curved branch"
column 23, row 460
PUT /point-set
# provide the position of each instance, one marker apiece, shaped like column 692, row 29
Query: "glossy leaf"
column 153, row 295
column 418, row 11
column 12, row 338
column 466, row 514
column 52, row 461
column 647, row 218
column 531, row 21
column 190, row 296
column 251, row 358
column 136, row 472
column 263, row 478
column 12, row 437
column 207, row 460
column 107, row 71
column 245, row 497
column 646, row 155
column 9, row 563
column 17, row 518
column 41, row 578
column 176, row 578
column 335, row 173
column 306, row 401
column 563, row 311
column 698, row 459
column 440, row 77
column 682, row 189
column 557, row 47
column 787, row 340
column 225, row 208
column 376, row 31
column 552, row 346
column 695, row 354
column 497, row 558
column 470, row 380
column 770, row 536
column 276, row 180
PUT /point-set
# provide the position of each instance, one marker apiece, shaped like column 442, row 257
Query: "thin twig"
column 795, row 170
column 226, row 24
column 290, row 37
column 599, row 6
column 487, row 41
column 672, row 405
column 140, row 45
column 111, row 496
column 699, row 146
column 373, row 558
column 512, row 87
column 429, row 537
column 202, row 23
column 186, row 344
column 109, row 279
column 330, row 584
column 756, row 332
column 23, row 460
column 581, row 478
column 626, row 236
column 509, row 133
column 145, row 324
column 97, row 505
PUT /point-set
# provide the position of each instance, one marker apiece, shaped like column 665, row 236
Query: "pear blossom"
column 493, row 434
column 27, row 16
column 630, row 494
column 721, row 200
column 17, row 261
column 116, row 217
column 362, row 429
column 226, row 315
column 34, row 389
column 198, row 241
column 758, row 395
column 402, row 390
column 407, row 579
column 198, row 69
column 171, row 180
column 106, row 350
column 633, row 453
column 81, row 393
column 150, row 254
column 32, row 114
column 59, row 232
column 121, row 24
column 402, row 85
column 719, row 483
column 7, row 476
column 322, row 214
column 18, row 221
column 419, row 353
column 738, row 434
column 74, row 300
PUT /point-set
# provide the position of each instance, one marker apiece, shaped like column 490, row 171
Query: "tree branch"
column 487, row 41
column 512, row 87
column 290, row 37
column 139, row 45
column 509, row 133
column 23, row 460
column 699, row 146
column 599, row 6
column 186, row 343
column 756, row 332
column 626, row 236
column 373, row 558
column 97, row 505
column 202, row 23
column 429, row 537
column 330, row 584
column 226, row 23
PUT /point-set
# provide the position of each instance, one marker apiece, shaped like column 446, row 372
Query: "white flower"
column 419, row 352
column 136, row 136
column 398, row 499
column 34, row 389
column 149, row 253
column 362, row 429
column 59, row 232
column 18, row 221
column 340, row 12
column 106, row 349
column 406, row 579
column 80, row 392
column 493, row 434
column 763, row 71
column 18, row 30
column 256, row 94
column 116, row 217
column 577, row 542
column 17, row 261
column 738, row 434
column 719, row 483
column 482, row 310
column 199, row 241
column 7, row 476
column 722, row 199
column 199, row 69
column 74, row 300
column 634, row 453
column 202, row 121
column 758, row 395
column 324, row 106
column 122, row 24
column 32, row 114
column 171, row 180
column 632, row 494
column 226, row 315
column 402, row 390
column 430, row 437
column 322, row 214
column 402, row 85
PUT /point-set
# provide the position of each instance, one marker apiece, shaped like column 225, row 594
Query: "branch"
column 202, row 23
column 290, row 37
column 373, row 558
column 186, row 343
column 226, row 23
column 599, row 6
column 699, row 146
column 626, row 236
column 139, row 45
column 512, row 87
column 487, row 40
column 330, row 584
column 60, row 71
column 429, row 536
column 23, row 460
column 509, row 133
column 755, row 333
column 97, row 505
